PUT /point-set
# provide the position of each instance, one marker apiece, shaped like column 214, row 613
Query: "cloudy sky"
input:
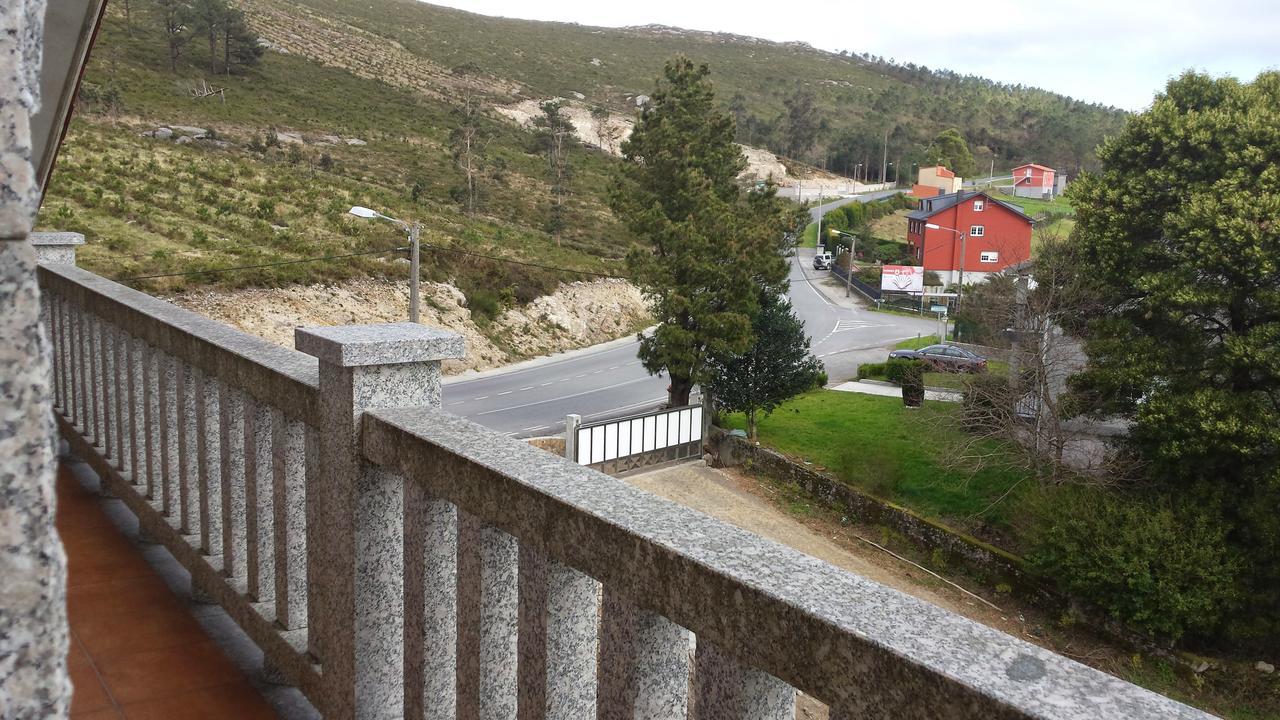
column 1117, row 52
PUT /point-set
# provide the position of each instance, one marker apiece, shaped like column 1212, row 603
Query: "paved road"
column 532, row 398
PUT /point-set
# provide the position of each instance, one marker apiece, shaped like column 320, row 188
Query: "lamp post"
column 963, row 237
column 848, row 275
column 414, row 229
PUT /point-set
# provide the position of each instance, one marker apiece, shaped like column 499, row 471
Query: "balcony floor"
column 138, row 649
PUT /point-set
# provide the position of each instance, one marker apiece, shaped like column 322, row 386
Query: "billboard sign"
column 902, row 278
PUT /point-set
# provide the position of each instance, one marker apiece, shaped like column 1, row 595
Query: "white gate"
column 636, row 441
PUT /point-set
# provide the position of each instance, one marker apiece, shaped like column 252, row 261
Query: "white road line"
column 508, row 392
column 564, row 397
column 460, row 402
column 482, row 397
column 526, row 388
column 547, row 383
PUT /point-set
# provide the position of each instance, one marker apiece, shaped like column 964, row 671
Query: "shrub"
column 903, row 370
column 867, row 370
column 1159, row 566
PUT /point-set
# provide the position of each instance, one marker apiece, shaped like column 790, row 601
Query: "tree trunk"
column 751, row 424
column 213, row 51
column 678, row 395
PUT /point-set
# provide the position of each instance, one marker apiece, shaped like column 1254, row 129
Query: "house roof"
column 1033, row 165
column 932, row 206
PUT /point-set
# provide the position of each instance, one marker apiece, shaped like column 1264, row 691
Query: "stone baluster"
column 231, row 407
column 431, row 605
column 488, row 621
column 151, row 368
column 209, row 462
column 644, row 663
column 137, row 352
column 292, row 463
column 107, row 363
column 121, row 411
column 559, row 614
column 259, row 487
column 166, row 371
column 355, row 524
column 188, row 466
column 93, row 382
column 725, row 689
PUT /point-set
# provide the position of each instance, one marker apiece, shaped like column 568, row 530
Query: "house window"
column 977, row 231
column 977, row 206
column 1028, row 173
column 989, row 256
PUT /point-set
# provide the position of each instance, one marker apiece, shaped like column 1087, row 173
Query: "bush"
column 1157, row 565
column 866, row 370
column 902, row 371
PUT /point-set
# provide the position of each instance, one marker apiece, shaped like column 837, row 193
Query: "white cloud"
column 1118, row 52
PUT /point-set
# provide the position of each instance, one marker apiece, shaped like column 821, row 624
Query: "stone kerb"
column 56, row 248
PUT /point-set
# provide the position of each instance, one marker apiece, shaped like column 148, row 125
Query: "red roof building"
column 997, row 235
column 1032, row 180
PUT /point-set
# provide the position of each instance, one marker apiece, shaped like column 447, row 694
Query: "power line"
column 524, row 263
column 216, row 271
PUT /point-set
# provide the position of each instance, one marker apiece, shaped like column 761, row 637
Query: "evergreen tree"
column 240, row 46
column 802, row 122
column 555, row 133
column 950, row 149
column 1181, row 247
column 777, row 366
column 711, row 247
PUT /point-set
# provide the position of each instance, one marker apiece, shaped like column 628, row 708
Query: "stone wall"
column 33, row 611
column 958, row 550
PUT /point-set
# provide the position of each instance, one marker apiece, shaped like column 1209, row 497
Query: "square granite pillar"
column 355, row 527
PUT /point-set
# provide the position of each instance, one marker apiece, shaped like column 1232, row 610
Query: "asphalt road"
column 532, row 398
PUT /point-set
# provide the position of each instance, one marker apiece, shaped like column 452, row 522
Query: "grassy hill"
column 389, row 74
column 156, row 207
column 859, row 97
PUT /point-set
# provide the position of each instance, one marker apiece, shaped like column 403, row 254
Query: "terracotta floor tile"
column 123, row 598
column 87, row 692
column 161, row 626
column 103, row 714
column 237, row 700
column 155, row 674
column 101, row 558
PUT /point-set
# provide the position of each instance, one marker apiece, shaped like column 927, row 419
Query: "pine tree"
column 555, row 133
column 709, row 246
column 777, row 366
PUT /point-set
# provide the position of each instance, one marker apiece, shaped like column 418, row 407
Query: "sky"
column 1114, row 52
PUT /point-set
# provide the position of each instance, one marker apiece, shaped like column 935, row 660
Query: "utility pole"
column 884, row 159
column 414, row 231
column 960, row 286
column 848, row 275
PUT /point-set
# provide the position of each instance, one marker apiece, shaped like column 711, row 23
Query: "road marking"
column 547, row 383
column 460, row 402
column 564, row 397
column 526, row 388
column 482, row 397
column 508, row 392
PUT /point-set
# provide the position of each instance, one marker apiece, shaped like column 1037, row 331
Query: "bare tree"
column 1028, row 415
column 173, row 20
column 554, row 132
column 468, row 140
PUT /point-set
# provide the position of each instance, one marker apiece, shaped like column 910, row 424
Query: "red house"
column 997, row 235
column 1034, row 181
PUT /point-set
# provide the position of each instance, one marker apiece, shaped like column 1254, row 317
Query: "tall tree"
column 555, row 133
column 174, row 16
column 240, row 46
column 468, row 141
column 950, row 149
column 208, row 18
column 803, row 123
column 1181, row 245
column 710, row 247
column 777, row 366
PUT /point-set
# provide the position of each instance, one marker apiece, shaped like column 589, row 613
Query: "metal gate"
column 622, row 444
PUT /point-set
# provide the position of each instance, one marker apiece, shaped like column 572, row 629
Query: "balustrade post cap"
column 45, row 239
column 384, row 344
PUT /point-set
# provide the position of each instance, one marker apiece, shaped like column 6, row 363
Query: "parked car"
column 946, row 358
column 822, row 261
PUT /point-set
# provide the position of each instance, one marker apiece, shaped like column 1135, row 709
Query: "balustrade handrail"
column 275, row 375
column 843, row 639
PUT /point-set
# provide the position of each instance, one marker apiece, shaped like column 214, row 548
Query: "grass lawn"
column 1035, row 206
column 809, row 238
column 905, row 456
column 953, row 381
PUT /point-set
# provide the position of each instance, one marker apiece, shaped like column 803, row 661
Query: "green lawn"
column 901, row 455
column 953, row 381
column 809, row 238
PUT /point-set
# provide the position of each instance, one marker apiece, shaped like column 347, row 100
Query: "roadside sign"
column 938, row 308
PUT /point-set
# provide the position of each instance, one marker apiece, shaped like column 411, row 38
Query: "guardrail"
column 871, row 293
column 394, row 560
column 636, row 441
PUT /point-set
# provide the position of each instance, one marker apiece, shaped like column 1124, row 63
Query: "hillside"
column 859, row 97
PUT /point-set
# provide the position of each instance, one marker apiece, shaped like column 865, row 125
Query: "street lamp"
column 963, row 237
column 414, row 230
column 848, row 275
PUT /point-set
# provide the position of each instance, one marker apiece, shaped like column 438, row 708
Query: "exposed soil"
column 576, row 315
